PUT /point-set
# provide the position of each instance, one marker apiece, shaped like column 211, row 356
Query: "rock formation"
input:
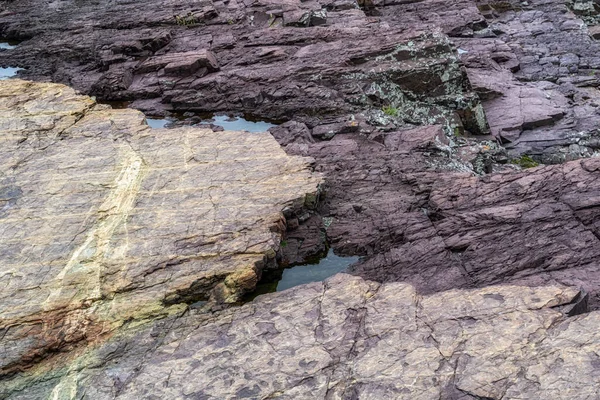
column 105, row 220
column 345, row 338
column 452, row 146
column 532, row 64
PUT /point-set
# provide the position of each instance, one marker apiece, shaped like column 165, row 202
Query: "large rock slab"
column 408, row 203
column 322, row 61
column 103, row 219
column 345, row 338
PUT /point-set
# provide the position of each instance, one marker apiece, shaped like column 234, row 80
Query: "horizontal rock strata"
column 399, row 200
column 317, row 62
column 105, row 220
column 534, row 65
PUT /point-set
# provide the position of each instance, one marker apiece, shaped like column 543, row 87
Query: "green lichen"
column 186, row 20
column 390, row 110
column 524, row 162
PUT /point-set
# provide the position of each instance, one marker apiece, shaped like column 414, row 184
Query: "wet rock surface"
column 346, row 338
column 106, row 220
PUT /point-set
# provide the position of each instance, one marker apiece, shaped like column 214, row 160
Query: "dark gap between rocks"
column 316, row 269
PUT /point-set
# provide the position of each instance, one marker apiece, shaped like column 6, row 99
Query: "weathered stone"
column 543, row 64
column 105, row 220
column 345, row 338
column 181, row 63
column 415, row 203
column 349, row 64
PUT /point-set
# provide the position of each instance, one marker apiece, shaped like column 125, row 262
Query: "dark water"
column 305, row 273
column 9, row 72
column 297, row 275
column 240, row 124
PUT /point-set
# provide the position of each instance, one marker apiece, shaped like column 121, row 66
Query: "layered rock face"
column 534, row 66
column 399, row 201
column 105, row 220
column 317, row 62
column 110, row 229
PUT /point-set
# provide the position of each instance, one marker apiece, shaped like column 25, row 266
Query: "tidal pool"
column 304, row 273
column 157, row 123
column 7, row 46
column 9, row 72
column 228, row 123
column 239, row 124
column 247, row 123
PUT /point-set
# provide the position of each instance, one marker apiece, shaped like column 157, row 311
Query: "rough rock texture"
column 399, row 202
column 536, row 68
column 533, row 64
column 345, row 339
column 317, row 62
column 380, row 94
column 105, row 220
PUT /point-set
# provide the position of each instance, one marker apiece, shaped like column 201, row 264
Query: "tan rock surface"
column 103, row 219
column 346, row 338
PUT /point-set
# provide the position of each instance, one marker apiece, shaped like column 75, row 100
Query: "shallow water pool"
column 240, row 124
column 9, row 72
column 157, row 123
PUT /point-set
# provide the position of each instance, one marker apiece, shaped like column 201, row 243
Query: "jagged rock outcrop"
column 380, row 94
column 400, row 203
column 533, row 64
column 317, row 62
column 104, row 220
column 341, row 339
column 536, row 67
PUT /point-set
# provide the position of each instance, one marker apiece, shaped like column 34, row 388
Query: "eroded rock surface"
column 378, row 94
column 534, row 64
column 105, row 220
column 399, row 202
column 346, row 338
column 317, row 62
column 536, row 67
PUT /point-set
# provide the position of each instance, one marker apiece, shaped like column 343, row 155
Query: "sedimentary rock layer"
column 533, row 64
column 103, row 219
column 346, row 338
column 317, row 62
column 400, row 200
